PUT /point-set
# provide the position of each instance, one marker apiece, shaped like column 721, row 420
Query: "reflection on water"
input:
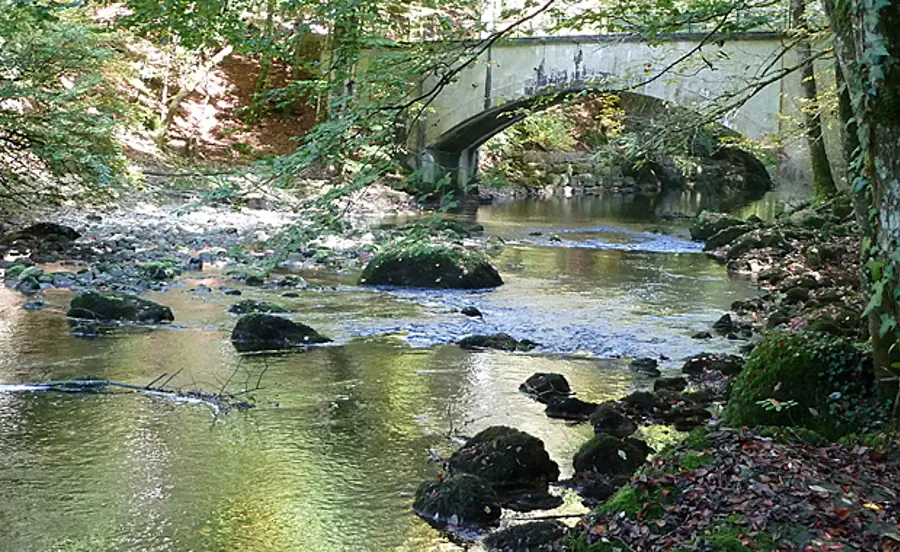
column 330, row 458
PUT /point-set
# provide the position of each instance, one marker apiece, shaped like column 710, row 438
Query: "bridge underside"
column 456, row 152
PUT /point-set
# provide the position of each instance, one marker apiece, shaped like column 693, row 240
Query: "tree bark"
column 265, row 63
column 821, row 168
column 867, row 46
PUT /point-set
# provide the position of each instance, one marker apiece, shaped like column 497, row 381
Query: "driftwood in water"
column 219, row 402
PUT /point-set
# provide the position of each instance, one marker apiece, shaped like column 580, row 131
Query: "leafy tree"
column 59, row 107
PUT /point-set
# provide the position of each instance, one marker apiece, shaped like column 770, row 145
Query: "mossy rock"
column 725, row 237
column 500, row 341
column 570, row 408
column 460, row 500
column 538, row 536
column 546, row 387
column 609, row 420
column 430, row 266
column 248, row 306
column 117, row 307
column 816, row 381
column 709, row 224
column 160, row 270
column 607, row 455
column 266, row 332
column 507, row 458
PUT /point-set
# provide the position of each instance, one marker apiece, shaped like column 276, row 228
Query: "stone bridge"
column 489, row 96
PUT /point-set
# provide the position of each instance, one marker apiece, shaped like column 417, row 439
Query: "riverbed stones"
column 430, row 266
column 266, row 332
column 609, row 420
column 726, row 236
column 606, row 455
column 724, row 325
column 458, row 500
column 248, row 306
column 117, row 307
column 538, row 536
column 499, row 341
column 546, row 387
column 507, row 458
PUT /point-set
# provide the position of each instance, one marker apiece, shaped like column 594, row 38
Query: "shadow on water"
column 330, row 458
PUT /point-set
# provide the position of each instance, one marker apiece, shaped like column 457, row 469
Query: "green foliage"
column 820, row 382
column 59, row 106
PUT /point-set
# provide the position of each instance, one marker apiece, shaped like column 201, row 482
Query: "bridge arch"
column 530, row 73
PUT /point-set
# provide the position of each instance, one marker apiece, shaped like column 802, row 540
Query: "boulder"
column 160, row 270
column 725, row 237
column 744, row 171
column 471, row 311
column 708, row 224
column 607, row 455
column 646, row 366
column 728, row 365
column 507, row 458
column 266, row 332
column 500, row 341
column 538, row 536
column 724, row 325
column 670, row 384
column 570, row 408
column 248, row 306
column 430, row 266
column 117, row 307
column 459, row 500
column 546, row 387
column 609, row 420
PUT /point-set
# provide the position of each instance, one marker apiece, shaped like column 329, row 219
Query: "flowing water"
column 330, row 457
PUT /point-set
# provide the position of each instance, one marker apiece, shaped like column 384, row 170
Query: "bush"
column 819, row 382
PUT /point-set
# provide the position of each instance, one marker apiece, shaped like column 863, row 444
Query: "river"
column 330, row 457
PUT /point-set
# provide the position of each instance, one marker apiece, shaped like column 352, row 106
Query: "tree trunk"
column 821, row 168
column 198, row 78
column 265, row 63
column 867, row 46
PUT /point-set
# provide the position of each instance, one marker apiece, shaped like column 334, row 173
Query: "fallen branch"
column 219, row 403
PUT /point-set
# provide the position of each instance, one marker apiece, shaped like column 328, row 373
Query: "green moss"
column 819, row 382
column 691, row 461
column 789, row 435
column 625, row 500
column 731, row 537
column 114, row 307
column 696, row 439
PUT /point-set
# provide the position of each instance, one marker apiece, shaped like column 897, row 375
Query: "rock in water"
column 459, row 500
column 546, row 387
column 430, row 266
column 539, row 536
column 500, row 341
column 724, row 325
column 646, row 366
column 728, row 365
column 507, row 458
column 570, row 408
column 670, row 384
column 265, row 332
column 472, row 311
column 607, row 419
column 708, row 224
column 607, row 455
column 118, row 307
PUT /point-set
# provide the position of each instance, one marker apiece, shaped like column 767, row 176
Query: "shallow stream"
column 330, row 457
